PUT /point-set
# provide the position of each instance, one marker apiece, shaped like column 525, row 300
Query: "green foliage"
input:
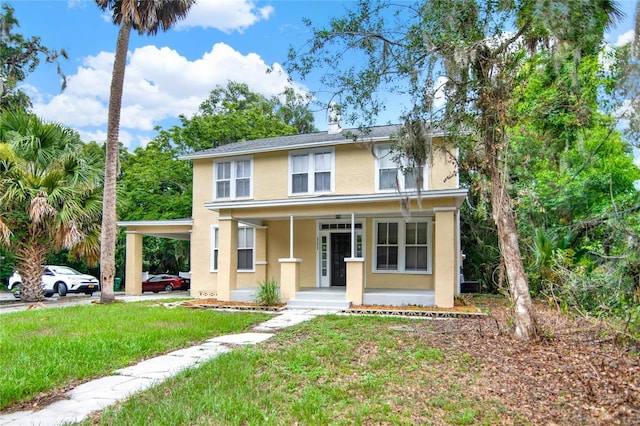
column 479, row 238
column 18, row 58
column 234, row 113
column 154, row 184
column 268, row 293
column 50, row 195
column 574, row 178
column 629, row 320
column 598, row 290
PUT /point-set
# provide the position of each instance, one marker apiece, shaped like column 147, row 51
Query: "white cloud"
column 625, row 38
column 160, row 84
column 440, row 98
column 225, row 15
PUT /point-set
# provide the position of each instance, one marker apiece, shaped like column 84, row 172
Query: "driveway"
column 8, row 303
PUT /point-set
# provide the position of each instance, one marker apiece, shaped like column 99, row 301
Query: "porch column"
column 445, row 256
column 133, row 270
column 227, row 257
column 289, row 271
column 289, row 278
column 355, row 279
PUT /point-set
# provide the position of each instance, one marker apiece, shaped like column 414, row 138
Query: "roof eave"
column 203, row 155
column 459, row 195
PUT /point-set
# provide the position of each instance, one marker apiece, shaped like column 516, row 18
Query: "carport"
column 177, row 229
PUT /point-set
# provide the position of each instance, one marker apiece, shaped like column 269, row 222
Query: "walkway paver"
column 103, row 392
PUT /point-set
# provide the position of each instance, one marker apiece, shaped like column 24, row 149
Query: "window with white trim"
column 387, row 246
column 246, row 248
column 402, row 246
column 396, row 173
column 311, row 171
column 416, row 246
column 232, row 179
column 214, row 248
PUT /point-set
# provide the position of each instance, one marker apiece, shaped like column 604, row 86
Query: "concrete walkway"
column 103, row 392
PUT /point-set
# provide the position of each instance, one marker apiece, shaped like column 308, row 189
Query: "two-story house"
column 320, row 214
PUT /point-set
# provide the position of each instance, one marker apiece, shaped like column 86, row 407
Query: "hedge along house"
column 323, row 217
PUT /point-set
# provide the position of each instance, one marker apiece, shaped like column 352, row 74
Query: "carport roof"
column 176, row 229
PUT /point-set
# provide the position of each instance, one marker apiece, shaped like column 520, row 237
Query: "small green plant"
column 268, row 293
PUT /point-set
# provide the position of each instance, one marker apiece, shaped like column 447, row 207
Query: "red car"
column 164, row 282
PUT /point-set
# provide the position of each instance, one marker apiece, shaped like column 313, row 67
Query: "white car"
column 59, row 279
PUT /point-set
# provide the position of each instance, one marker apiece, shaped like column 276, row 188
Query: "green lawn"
column 331, row 370
column 44, row 349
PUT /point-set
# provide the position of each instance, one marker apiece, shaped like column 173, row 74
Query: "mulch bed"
column 217, row 304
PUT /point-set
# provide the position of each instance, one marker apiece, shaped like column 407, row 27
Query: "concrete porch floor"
column 322, row 296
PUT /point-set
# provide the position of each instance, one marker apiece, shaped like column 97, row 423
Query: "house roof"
column 305, row 140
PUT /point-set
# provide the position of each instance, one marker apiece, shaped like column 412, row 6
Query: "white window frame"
column 252, row 247
column 400, row 176
column 312, row 170
column 213, row 267
column 402, row 246
column 233, row 179
column 215, row 249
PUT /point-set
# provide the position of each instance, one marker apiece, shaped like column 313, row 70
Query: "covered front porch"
column 298, row 263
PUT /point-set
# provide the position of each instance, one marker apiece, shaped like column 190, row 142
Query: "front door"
column 340, row 248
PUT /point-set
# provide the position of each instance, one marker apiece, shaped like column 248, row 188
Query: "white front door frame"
column 324, row 229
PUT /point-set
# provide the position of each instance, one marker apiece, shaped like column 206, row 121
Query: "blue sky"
column 173, row 72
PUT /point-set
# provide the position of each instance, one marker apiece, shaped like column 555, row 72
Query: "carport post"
column 133, row 281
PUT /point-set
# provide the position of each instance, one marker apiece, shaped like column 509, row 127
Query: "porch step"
column 319, row 299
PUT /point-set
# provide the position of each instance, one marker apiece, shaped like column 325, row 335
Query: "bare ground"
column 578, row 372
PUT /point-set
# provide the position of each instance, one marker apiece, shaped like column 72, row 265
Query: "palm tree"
column 50, row 195
column 146, row 17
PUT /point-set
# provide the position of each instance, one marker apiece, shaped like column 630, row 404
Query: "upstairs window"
column 300, row 173
column 395, row 173
column 233, row 179
column 311, row 171
column 387, row 169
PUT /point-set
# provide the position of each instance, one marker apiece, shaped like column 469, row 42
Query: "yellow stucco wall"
column 304, row 247
column 442, row 173
column 272, row 169
column 355, row 170
column 203, row 282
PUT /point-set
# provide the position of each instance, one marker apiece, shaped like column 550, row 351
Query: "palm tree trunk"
column 109, row 231
column 30, row 260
